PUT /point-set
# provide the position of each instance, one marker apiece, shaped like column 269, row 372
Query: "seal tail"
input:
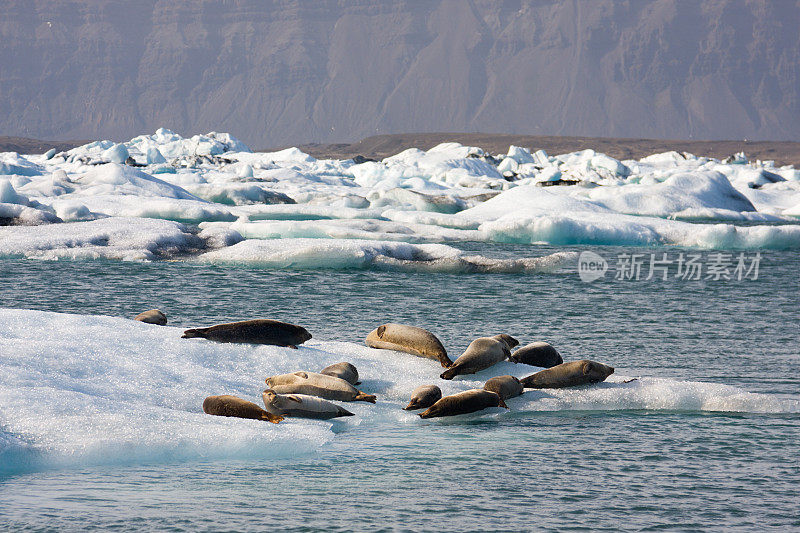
column 445, row 361
column 343, row 412
column 411, row 406
column 193, row 333
column 364, row 397
column 427, row 413
column 450, row 373
column 269, row 417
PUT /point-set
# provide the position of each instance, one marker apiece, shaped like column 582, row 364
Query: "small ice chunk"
column 245, row 171
column 116, row 154
column 10, row 196
column 509, row 164
column 154, row 156
column 520, row 155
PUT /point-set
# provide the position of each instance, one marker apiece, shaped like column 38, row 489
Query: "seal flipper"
column 292, row 346
column 450, row 373
column 343, row 412
column 271, row 418
column 364, row 397
column 502, row 404
column 194, row 333
column 412, row 406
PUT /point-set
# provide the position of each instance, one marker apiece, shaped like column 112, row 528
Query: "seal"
column 508, row 339
column 227, row 405
column 301, row 406
column 409, row 339
column 568, row 375
column 463, row 403
column 423, row 397
column 319, row 385
column 505, row 386
column 153, row 316
column 253, row 332
column 344, row 371
column 480, row 354
column 537, row 354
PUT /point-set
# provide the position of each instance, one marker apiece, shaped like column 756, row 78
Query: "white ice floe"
column 109, row 238
column 300, row 253
column 449, row 193
column 81, row 390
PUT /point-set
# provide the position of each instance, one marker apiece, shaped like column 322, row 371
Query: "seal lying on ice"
column 227, row 405
column 463, row 403
column 480, row 354
column 537, row 354
column 505, row 386
column 344, row 371
column 301, row 406
column 409, row 339
column 319, row 385
column 423, row 397
column 568, row 375
column 253, row 332
column 153, row 316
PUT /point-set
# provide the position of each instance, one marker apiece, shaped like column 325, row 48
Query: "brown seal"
column 508, row 339
column 505, row 386
column 479, row 355
column 344, row 371
column 227, row 405
column 463, row 403
column 253, row 332
column 409, row 339
column 153, row 316
column 568, row 375
column 423, row 397
column 537, row 354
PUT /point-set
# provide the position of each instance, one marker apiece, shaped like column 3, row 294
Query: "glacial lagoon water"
column 705, row 438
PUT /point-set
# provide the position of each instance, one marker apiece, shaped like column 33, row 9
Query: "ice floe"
column 451, row 193
column 83, row 390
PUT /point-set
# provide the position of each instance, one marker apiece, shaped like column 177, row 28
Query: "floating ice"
column 82, row 390
column 291, row 253
column 110, row 238
column 449, row 193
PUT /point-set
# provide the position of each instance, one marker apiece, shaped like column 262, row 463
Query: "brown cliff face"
column 290, row 72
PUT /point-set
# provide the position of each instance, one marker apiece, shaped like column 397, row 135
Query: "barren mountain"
column 291, row 72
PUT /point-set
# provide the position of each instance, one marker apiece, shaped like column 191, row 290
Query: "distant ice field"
column 209, row 198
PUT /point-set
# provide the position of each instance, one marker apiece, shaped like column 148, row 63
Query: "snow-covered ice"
column 81, row 390
column 97, row 196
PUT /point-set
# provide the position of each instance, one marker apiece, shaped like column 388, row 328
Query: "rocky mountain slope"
column 290, row 72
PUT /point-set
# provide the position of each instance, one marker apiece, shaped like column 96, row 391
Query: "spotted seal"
column 409, row 339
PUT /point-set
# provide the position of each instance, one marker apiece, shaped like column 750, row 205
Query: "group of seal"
column 296, row 395
column 305, row 394
column 483, row 353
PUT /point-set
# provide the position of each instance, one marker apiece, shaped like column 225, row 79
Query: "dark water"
column 676, row 469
